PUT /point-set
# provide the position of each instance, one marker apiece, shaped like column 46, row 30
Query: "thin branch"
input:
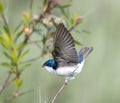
column 17, row 94
column 4, row 19
column 40, row 96
column 73, row 26
column 5, row 83
column 59, row 91
column 5, row 22
column 64, row 84
column 26, row 92
column 44, row 12
column 77, row 22
column 50, row 5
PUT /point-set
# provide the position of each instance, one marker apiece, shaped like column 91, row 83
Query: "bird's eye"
column 68, row 62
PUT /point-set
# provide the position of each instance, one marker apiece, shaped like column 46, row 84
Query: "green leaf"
column 1, row 7
column 7, row 55
column 25, row 67
column 55, row 24
column 6, row 41
column 20, row 46
column 44, row 39
column 63, row 11
column 18, row 35
column 1, row 40
column 6, row 29
column 38, row 31
column 18, row 26
column 27, row 17
column 77, row 42
column 86, row 31
column 73, row 19
column 5, row 64
column 14, row 56
column 18, row 82
column 44, row 2
column 17, row 32
column 22, row 56
column 66, row 6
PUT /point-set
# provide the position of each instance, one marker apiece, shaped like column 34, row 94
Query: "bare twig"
column 5, row 83
column 49, row 6
column 67, row 79
column 44, row 12
column 4, row 19
column 73, row 26
column 5, row 22
column 59, row 91
column 78, row 21
column 25, row 92
column 17, row 94
column 40, row 98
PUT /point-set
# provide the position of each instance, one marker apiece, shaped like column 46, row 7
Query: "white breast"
column 67, row 70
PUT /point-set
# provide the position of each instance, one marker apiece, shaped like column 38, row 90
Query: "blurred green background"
column 99, row 82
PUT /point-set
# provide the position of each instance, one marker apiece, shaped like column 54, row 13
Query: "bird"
column 66, row 62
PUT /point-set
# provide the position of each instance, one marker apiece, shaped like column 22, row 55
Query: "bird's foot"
column 66, row 81
column 72, row 74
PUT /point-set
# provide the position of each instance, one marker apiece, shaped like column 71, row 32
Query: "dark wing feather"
column 64, row 49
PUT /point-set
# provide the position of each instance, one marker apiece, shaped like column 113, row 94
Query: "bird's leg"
column 71, row 76
column 66, row 80
column 72, row 73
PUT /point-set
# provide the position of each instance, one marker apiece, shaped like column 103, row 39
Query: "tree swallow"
column 66, row 61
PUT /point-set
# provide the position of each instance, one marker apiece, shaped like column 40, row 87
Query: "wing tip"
column 84, row 52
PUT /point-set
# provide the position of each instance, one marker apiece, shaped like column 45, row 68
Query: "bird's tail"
column 84, row 52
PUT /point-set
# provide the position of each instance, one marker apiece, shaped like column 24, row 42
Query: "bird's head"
column 50, row 63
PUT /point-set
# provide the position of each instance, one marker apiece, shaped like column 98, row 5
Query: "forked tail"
column 84, row 52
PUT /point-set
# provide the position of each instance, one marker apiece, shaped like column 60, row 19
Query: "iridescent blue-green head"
column 51, row 63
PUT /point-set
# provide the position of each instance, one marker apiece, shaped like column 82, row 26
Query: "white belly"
column 67, row 71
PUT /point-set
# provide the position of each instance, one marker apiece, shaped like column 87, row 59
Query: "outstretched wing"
column 64, row 49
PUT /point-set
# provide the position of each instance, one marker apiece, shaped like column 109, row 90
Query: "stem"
column 59, row 91
column 44, row 12
column 4, row 19
column 5, row 83
column 73, row 26
column 67, row 79
column 23, row 93
column 17, row 94
column 5, row 22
